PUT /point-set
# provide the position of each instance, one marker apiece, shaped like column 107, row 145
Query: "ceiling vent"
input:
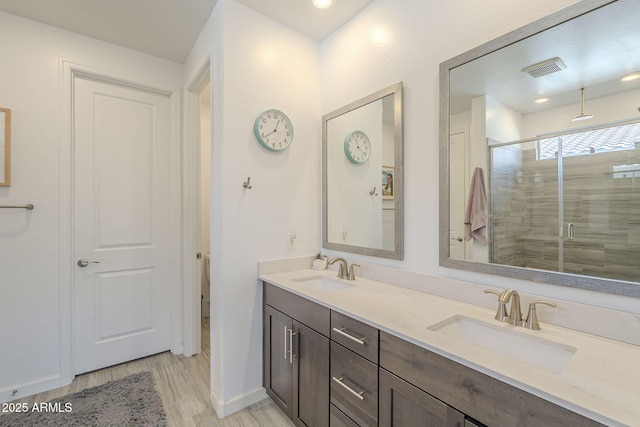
column 543, row 68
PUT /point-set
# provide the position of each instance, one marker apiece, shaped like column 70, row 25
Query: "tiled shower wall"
column 605, row 211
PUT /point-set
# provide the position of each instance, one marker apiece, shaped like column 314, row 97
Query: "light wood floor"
column 183, row 383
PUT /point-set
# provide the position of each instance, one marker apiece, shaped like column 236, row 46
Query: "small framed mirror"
column 362, row 178
column 5, row 147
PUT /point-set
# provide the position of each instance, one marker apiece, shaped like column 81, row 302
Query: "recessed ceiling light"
column 632, row 76
column 322, row 4
column 541, row 100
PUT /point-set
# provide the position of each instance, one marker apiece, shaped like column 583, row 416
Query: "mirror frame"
column 5, row 147
column 398, row 186
column 590, row 283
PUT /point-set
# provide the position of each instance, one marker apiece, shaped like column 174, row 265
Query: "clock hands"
column 274, row 130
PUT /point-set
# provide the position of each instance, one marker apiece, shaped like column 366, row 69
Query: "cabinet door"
column 278, row 366
column 310, row 377
column 402, row 404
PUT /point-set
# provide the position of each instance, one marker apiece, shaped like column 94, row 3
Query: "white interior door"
column 121, row 223
column 458, row 190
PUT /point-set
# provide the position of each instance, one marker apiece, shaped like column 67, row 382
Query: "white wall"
column 421, row 35
column 33, row 355
column 503, row 123
column 607, row 109
column 257, row 64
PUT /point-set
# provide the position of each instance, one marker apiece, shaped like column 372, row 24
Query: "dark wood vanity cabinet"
column 402, row 404
column 479, row 396
column 296, row 356
column 324, row 368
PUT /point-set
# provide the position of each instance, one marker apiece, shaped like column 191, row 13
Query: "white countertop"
column 601, row 380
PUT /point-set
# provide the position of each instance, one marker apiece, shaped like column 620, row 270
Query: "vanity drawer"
column 338, row 419
column 473, row 393
column 354, row 385
column 304, row 311
column 355, row 335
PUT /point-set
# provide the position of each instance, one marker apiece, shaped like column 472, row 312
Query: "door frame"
column 191, row 200
column 68, row 71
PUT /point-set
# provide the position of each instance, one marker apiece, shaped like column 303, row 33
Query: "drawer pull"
column 351, row 337
column 359, row 395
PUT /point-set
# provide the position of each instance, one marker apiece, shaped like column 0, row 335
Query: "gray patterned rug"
column 130, row 401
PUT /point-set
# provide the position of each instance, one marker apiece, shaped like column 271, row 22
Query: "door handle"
column 83, row 262
column 288, row 349
column 570, row 230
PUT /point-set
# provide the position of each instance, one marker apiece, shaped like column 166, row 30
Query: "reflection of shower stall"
column 568, row 203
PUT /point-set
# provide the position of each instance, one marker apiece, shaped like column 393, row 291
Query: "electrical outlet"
column 291, row 239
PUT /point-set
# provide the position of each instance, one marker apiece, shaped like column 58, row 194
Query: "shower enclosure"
column 568, row 202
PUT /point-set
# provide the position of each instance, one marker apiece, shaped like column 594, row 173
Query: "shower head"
column 582, row 115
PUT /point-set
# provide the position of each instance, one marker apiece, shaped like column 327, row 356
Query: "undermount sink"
column 325, row 284
column 507, row 341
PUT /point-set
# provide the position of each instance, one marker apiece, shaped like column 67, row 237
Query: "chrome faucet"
column 342, row 271
column 515, row 315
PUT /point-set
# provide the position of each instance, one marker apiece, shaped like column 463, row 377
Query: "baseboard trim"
column 34, row 387
column 225, row 408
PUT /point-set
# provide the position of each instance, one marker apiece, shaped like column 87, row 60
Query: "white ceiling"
column 598, row 49
column 304, row 17
column 169, row 28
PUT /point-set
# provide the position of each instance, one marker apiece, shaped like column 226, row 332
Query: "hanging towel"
column 476, row 216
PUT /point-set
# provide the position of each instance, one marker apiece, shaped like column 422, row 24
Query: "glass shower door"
column 569, row 203
column 525, row 214
column 601, row 203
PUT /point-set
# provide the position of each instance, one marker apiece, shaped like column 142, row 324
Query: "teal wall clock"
column 357, row 147
column 274, row 130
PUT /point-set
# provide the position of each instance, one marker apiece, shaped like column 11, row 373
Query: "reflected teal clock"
column 357, row 147
column 273, row 130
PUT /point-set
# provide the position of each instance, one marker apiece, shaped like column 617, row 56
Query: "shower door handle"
column 570, row 230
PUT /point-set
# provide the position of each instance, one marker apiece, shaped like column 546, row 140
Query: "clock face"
column 357, row 146
column 274, row 130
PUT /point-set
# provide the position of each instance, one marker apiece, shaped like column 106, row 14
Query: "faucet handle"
column 352, row 275
column 501, row 314
column 532, row 317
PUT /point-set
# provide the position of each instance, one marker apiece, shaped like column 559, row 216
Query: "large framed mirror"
column 362, row 178
column 540, row 151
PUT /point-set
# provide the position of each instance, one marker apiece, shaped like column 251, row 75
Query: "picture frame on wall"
column 5, row 147
column 387, row 182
